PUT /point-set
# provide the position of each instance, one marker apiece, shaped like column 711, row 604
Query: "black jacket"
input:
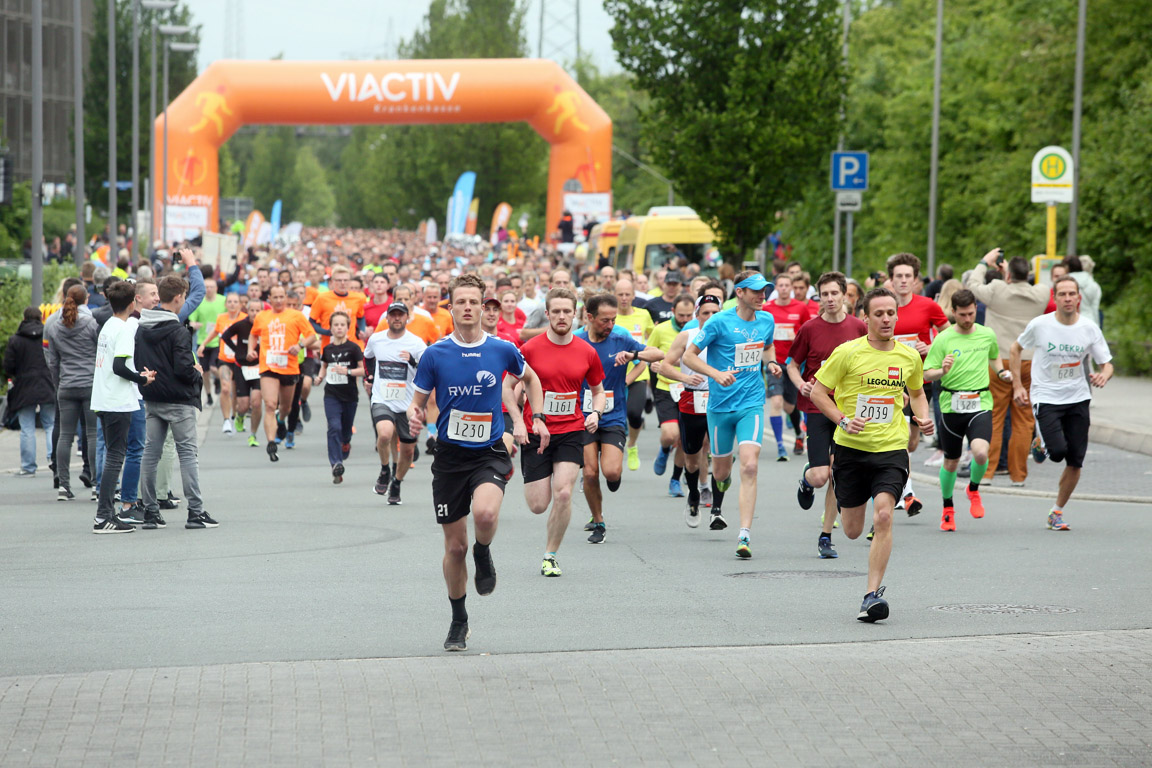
column 164, row 345
column 25, row 364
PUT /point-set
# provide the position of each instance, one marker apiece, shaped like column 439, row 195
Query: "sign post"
column 849, row 179
column 1053, row 173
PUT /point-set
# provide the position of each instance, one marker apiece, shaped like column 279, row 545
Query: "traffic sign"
column 849, row 171
column 849, row 201
column 1052, row 176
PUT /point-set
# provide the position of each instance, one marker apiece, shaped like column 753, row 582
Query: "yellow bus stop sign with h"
column 1052, row 182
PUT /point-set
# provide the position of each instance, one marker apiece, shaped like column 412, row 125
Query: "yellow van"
column 602, row 241
column 640, row 244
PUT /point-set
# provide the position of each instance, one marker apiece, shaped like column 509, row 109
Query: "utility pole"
column 840, row 143
column 37, row 152
column 132, row 223
column 79, row 253
column 1077, row 108
column 112, row 230
column 934, row 173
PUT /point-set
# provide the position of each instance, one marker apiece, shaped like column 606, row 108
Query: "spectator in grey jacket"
column 1080, row 270
column 72, row 361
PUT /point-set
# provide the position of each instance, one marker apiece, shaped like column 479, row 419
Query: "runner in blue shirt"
column 471, row 466
column 739, row 341
column 604, row 448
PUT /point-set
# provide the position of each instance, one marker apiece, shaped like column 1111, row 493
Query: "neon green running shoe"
column 743, row 550
column 634, row 458
column 239, row 422
column 549, row 567
column 253, row 442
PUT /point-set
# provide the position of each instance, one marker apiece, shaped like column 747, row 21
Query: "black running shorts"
column 862, row 475
column 693, row 432
column 243, row 386
column 667, row 409
column 1065, row 431
column 457, row 473
column 567, row 446
column 285, row 379
column 615, row 436
column 957, row 426
column 820, row 432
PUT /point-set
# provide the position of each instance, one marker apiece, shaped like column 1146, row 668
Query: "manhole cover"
column 796, row 574
column 1004, row 609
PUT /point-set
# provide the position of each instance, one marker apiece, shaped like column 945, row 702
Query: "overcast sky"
column 355, row 29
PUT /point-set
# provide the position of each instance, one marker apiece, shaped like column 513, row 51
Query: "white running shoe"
column 227, row 428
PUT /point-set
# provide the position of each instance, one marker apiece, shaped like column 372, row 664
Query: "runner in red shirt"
column 789, row 315
column 918, row 320
column 563, row 363
column 812, row 346
column 378, row 302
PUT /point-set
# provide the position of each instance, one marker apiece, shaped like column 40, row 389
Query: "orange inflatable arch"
column 229, row 94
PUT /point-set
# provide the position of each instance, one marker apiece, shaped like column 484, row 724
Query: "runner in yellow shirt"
column 638, row 323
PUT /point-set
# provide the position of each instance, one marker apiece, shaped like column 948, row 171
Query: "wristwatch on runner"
column 844, row 422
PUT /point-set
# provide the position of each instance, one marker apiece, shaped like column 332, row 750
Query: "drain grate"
column 797, row 574
column 1004, row 609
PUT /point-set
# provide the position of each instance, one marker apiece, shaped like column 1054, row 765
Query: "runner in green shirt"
column 959, row 358
column 203, row 320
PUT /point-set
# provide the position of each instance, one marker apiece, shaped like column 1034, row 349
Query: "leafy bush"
column 16, row 294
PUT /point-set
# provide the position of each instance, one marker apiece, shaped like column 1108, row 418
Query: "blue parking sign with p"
column 849, row 171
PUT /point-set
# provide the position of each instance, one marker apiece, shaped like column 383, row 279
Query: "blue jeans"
column 340, row 415
column 130, row 485
column 27, row 416
column 100, row 451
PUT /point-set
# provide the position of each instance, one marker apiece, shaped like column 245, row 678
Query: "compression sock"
column 778, row 428
column 794, row 417
column 459, row 613
column 613, row 485
column 717, row 495
column 947, row 485
column 693, row 479
column 977, row 475
column 676, row 472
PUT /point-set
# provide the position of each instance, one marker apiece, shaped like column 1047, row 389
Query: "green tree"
column 744, row 97
column 181, row 72
column 228, row 172
column 273, row 161
column 312, row 201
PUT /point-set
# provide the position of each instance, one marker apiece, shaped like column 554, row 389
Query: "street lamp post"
column 79, row 248
column 151, row 5
column 934, row 169
column 112, row 230
column 37, row 152
column 179, row 48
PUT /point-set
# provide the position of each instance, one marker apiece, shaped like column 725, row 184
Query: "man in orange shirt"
column 338, row 299
column 439, row 315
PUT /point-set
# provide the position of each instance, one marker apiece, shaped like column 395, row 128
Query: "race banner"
column 465, row 185
column 473, row 215
column 500, row 218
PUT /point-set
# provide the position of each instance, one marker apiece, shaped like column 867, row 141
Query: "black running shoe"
column 394, row 492
column 201, row 520
column 874, row 607
column 174, row 498
column 338, row 474
column 597, row 535
column 272, row 451
column 209, row 398
column 485, row 570
column 64, row 494
column 111, row 526
column 458, row 635
column 306, row 410
column 86, row 479
column 166, row 504
column 381, row 487
column 130, row 516
column 281, row 429
column 805, row 494
column 154, row 521
column 827, row 551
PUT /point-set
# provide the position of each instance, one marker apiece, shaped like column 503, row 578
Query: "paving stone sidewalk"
column 1075, row 699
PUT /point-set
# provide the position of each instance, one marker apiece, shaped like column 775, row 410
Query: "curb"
column 1025, row 493
column 1120, row 436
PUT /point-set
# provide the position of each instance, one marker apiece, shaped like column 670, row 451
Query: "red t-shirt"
column 814, row 344
column 788, row 319
column 919, row 319
column 813, row 308
column 373, row 312
column 562, row 370
column 510, row 331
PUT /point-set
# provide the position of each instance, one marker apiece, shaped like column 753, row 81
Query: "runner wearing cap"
column 738, row 346
column 390, row 358
column 604, row 448
column 662, row 307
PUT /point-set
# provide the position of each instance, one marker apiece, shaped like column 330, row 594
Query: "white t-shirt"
column 1061, row 359
column 112, row 393
column 382, row 359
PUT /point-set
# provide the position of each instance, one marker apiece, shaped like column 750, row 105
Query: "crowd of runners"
column 584, row 372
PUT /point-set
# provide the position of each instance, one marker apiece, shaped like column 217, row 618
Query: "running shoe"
column 281, row 428
column 675, row 489
column 201, row 520
column 64, row 494
column 597, row 535
column 345, row 450
column 1039, row 452
column 781, row 452
column 272, row 451
column 305, row 410
column 174, row 498
column 874, row 607
column 824, row 546
column 394, row 492
column 239, row 425
column 130, row 516
column 948, row 519
column 912, row 505
column 805, row 494
column 216, row 386
column 798, row 449
column 743, row 548
column 692, row 515
column 549, row 567
column 717, row 521
column 485, row 570
column 290, row 441
column 977, row 504
column 1056, row 522
column 706, row 497
column 590, row 525
column 337, row 474
column 154, row 521
column 661, row 462
column 458, row 634
column 871, row 533
column 935, row 460
column 382, row 482
column 634, row 458
column 25, row 473
column 111, row 526
column 95, row 495
column 209, row 398
column 253, row 442
column 299, row 427
column 226, row 428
